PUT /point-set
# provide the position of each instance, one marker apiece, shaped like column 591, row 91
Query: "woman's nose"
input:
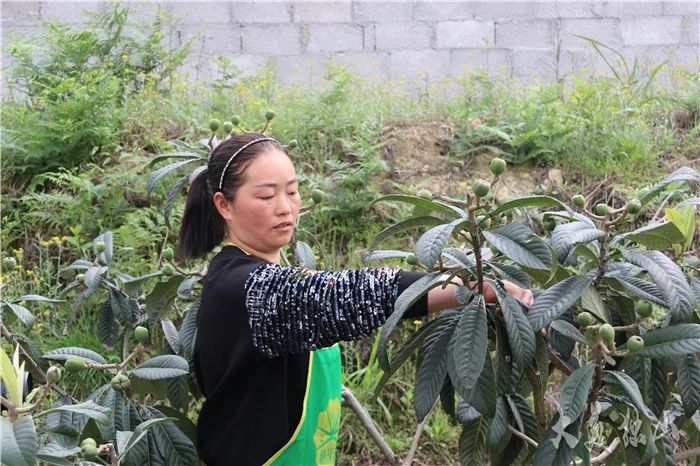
column 283, row 206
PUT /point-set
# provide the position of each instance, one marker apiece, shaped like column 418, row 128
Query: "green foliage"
column 69, row 90
column 580, row 267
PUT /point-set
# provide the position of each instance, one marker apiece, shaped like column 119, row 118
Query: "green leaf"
column 520, row 334
column 178, row 392
column 568, row 330
column 171, row 335
column 658, row 236
column 551, row 450
column 530, row 201
column 432, row 370
column 161, row 172
column 574, row 393
column 693, row 201
column 409, row 296
column 458, row 257
column 429, row 246
column 686, row 174
column 19, row 441
column 175, row 155
column 402, row 226
column 689, row 383
column 107, row 238
column 520, row 245
column 470, row 346
column 670, row 279
column 631, row 390
column 684, row 219
column 642, row 289
column 174, row 190
column 184, row 291
column 429, row 206
column 124, row 308
column 161, row 367
column 511, row 273
column 107, row 326
column 523, row 415
column 22, row 313
column 62, row 354
column 93, row 276
column 472, row 442
column 139, row 433
column 36, row 297
column 554, row 301
column 176, row 447
column 54, row 453
column 120, row 409
column 482, row 396
column 657, row 389
column 498, row 432
column 593, row 303
column 671, row 341
column 304, row 255
column 188, row 331
column 383, row 254
column 161, row 296
column 409, row 347
column 567, row 235
column 87, row 408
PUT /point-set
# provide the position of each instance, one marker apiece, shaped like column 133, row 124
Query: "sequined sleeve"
column 293, row 310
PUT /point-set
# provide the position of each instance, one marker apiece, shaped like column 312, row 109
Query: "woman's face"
column 265, row 208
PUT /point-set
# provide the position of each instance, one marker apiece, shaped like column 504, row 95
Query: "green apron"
column 315, row 438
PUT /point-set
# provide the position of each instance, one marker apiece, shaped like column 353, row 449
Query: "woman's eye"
column 267, row 198
column 293, row 193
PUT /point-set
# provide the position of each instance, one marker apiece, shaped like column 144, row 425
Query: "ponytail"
column 202, row 228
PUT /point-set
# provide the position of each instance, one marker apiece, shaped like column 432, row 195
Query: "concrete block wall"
column 414, row 41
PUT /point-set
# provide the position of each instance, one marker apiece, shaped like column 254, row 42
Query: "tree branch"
column 369, row 425
column 517, row 433
column 416, row 438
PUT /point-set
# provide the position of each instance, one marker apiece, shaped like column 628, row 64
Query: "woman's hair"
column 203, row 228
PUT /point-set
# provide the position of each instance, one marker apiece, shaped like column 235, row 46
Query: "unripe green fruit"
column 120, row 382
column 634, row 206
column 235, row 119
column 578, row 200
column 80, row 277
column 317, row 196
column 100, row 246
column 549, row 224
column 411, row 259
column 214, row 124
column 293, row 143
column 425, row 194
column 89, row 452
column 498, row 166
column 269, row 115
column 75, row 364
column 483, row 221
column 88, row 441
column 9, row 264
column 53, row 374
column 168, row 254
column 481, row 188
column 585, row 319
column 228, row 127
column 141, row 334
column 168, row 270
column 602, row 209
column 635, row 343
column 643, row 308
column 607, row 333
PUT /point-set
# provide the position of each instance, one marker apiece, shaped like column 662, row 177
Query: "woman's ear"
column 222, row 205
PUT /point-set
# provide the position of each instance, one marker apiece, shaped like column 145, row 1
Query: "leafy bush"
column 490, row 365
column 69, row 91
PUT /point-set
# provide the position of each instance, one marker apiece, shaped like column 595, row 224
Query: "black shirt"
column 257, row 323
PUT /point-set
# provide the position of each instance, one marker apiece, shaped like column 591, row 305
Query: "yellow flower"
column 417, row 323
column 37, row 280
column 64, row 238
column 30, row 272
column 44, row 244
column 326, row 436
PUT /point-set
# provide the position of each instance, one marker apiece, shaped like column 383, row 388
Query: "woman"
column 266, row 353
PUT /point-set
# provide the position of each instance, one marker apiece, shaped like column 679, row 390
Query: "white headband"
column 245, row 146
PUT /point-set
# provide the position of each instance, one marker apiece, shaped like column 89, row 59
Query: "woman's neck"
column 273, row 256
